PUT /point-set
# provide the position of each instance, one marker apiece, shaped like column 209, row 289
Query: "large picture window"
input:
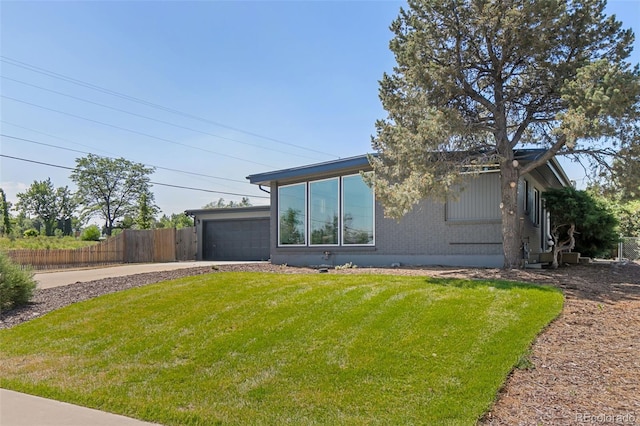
column 324, row 210
column 333, row 212
column 357, row 211
column 292, row 200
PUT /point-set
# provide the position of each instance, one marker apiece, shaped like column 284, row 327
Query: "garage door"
column 236, row 239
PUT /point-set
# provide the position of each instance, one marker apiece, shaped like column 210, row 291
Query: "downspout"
column 263, row 190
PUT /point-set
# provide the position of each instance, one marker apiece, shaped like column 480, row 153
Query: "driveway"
column 60, row 278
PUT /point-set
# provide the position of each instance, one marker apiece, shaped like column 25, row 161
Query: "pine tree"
column 477, row 80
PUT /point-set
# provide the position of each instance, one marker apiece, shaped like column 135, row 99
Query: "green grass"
column 42, row 242
column 252, row 348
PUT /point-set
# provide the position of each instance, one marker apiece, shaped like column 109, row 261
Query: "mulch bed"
column 585, row 365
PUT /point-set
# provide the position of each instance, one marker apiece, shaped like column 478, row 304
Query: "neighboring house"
column 324, row 214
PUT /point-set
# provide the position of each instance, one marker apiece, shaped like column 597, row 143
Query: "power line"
column 55, row 137
column 151, row 182
column 72, row 80
column 151, row 118
column 148, row 165
column 133, row 131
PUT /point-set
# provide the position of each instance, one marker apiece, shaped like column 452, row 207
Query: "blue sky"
column 253, row 87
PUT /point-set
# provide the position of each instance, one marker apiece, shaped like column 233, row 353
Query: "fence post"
column 620, row 249
column 125, row 256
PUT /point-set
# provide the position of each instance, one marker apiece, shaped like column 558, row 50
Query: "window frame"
column 527, row 202
column 535, row 211
column 309, row 209
column 306, row 220
column 373, row 215
column 307, row 214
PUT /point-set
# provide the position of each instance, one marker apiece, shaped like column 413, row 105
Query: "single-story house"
column 324, row 214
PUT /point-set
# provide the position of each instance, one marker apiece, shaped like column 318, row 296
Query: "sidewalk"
column 19, row 409
column 60, row 278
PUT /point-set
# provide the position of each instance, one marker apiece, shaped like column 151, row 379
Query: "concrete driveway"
column 60, row 278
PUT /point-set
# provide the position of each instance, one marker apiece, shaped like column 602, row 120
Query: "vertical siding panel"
column 479, row 200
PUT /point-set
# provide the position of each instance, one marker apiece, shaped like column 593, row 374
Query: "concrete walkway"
column 60, row 278
column 19, row 409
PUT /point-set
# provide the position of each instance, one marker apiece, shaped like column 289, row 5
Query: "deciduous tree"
column 48, row 204
column 222, row 204
column 176, row 220
column 111, row 188
column 478, row 79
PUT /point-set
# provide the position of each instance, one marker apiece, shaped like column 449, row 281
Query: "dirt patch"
column 585, row 365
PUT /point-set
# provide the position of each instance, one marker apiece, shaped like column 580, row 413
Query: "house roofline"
column 199, row 212
column 311, row 169
column 362, row 161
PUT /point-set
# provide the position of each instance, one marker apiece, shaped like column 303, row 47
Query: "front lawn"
column 257, row 348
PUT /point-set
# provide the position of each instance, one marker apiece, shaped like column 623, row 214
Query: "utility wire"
column 133, row 131
column 154, row 119
column 72, row 80
column 55, row 137
column 151, row 182
column 104, row 156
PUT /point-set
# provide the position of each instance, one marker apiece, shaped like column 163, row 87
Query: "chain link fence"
column 630, row 247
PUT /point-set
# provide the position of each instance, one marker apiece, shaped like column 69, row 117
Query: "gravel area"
column 585, row 367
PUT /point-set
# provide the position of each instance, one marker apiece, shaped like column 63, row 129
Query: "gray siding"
column 532, row 233
column 422, row 237
column 466, row 231
column 478, row 200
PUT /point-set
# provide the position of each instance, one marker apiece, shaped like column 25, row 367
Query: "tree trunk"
column 559, row 246
column 511, row 238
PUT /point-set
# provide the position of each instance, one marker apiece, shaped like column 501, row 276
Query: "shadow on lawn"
column 497, row 284
column 604, row 282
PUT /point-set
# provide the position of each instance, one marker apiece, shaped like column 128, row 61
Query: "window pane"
column 291, row 214
column 324, row 211
column 357, row 225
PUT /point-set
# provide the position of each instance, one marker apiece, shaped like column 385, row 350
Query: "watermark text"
column 618, row 419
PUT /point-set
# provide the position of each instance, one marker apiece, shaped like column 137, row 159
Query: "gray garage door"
column 236, row 239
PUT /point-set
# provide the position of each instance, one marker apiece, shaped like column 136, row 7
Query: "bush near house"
column 16, row 284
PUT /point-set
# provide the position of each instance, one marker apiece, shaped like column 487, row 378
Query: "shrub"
column 16, row 285
column 31, row 232
column 91, row 233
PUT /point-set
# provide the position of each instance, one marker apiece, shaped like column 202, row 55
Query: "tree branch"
column 544, row 158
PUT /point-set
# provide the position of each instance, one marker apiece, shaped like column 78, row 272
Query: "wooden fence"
column 186, row 243
column 131, row 246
